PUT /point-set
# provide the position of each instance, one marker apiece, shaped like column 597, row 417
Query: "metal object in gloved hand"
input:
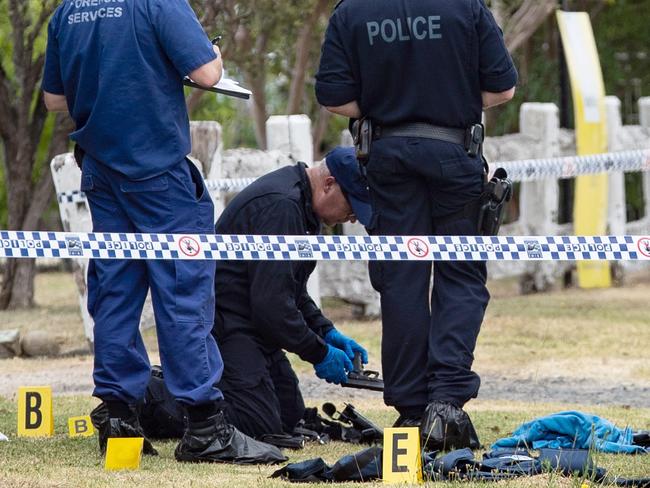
column 347, row 345
column 356, row 427
column 445, row 427
column 362, row 378
column 334, row 366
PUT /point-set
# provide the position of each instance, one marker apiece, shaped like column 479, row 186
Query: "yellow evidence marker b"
column 80, row 426
column 123, row 453
column 402, row 461
column 35, row 416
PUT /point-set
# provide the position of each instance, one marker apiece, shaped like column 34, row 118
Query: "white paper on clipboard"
column 226, row 86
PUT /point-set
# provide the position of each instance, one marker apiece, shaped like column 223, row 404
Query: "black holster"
column 362, row 138
column 497, row 193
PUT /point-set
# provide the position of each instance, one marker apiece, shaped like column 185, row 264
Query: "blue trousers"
column 182, row 292
column 428, row 332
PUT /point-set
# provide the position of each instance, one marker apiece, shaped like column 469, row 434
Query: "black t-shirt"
column 414, row 61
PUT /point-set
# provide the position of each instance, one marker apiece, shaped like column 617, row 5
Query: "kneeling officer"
column 263, row 308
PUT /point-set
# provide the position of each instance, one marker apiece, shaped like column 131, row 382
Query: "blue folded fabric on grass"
column 574, row 430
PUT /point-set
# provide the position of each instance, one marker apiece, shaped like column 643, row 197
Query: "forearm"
column 210, row 73
column 313, row 315
column 55, row 103
column 493, row 99
column 350, row 110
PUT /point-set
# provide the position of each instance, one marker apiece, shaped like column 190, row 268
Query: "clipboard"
column 226, row 86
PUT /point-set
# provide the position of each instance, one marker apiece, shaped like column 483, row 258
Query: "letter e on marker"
column 402, row 462
column 35, row 417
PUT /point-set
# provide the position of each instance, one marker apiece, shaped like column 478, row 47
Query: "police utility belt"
column 489, row 209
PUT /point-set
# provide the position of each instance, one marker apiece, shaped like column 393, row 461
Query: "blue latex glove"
column 349, row 346
column 334, row 367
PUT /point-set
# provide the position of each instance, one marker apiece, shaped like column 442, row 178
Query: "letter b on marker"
column 80, row 426
column 402, row 461
column 35, row 417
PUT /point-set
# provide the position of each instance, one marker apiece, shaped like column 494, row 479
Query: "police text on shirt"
column 391, row 30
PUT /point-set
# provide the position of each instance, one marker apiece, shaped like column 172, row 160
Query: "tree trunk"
column 18, row 284
column 303, row 47
column 26, row 204
column 320, row 130
column 257, row 84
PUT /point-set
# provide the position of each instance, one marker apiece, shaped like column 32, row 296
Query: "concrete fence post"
column 616, row 210
column 291, row 134
column 540, row 123
column 644, row 118
column 75, row 217
column 207, row 148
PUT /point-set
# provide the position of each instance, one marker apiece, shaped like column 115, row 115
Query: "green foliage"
column 3, row 193
column 233, row 115
column 622, row 37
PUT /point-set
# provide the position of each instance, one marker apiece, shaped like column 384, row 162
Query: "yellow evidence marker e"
column 123, row 453
column 35, row 416
column 80, row 426
column 402, row 461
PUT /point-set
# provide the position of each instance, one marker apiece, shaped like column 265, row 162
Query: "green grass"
column 61, row 461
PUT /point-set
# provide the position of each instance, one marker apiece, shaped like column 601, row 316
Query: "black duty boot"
column 445, row 427
column 404, row 421
column 216, row 441
column 118, row 427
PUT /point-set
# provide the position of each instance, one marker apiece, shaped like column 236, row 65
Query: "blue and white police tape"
column 15, row 244
column 572, row 166
column 524, row 170
column 225, row 185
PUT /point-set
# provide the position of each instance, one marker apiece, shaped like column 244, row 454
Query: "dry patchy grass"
column 573, row 333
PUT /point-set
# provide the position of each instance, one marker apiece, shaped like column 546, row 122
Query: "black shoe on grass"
column 445, row 427
column 116, row 427
column 216, row 441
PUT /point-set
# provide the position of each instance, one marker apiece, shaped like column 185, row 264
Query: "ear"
column 328, row 184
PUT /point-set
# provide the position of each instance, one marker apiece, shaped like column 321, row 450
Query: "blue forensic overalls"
column 120, row 65
column 406, row 62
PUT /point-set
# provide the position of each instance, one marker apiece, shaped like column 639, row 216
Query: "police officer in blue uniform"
column 118, row 66
column 263, row 307
column 422, row 72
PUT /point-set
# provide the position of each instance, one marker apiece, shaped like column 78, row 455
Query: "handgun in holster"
column 367, row 431
column 362, row 378
column 362, row 138
column 496, row 194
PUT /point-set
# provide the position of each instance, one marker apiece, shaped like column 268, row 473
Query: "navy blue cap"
column 344, row 167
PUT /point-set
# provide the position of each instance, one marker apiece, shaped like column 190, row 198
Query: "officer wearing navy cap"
column 422, row 72
column 263, row 308
column 118, row 68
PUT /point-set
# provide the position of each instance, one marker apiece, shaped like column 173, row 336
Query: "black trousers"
column 429, row 332
column 260, row 389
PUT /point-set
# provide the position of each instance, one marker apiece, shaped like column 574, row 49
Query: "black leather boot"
column 445, row 427
column 216, row 441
